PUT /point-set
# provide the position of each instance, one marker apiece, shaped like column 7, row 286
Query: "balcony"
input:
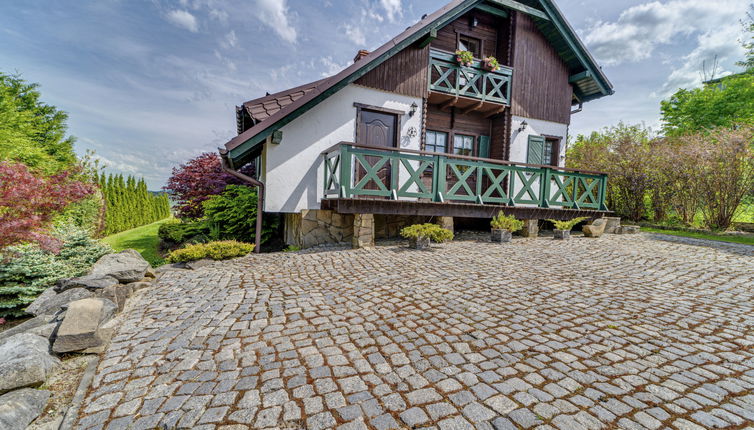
column 385, row 178
column 468, row 88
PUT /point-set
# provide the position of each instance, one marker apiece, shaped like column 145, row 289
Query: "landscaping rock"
column 50, row 302
column 596, row 228
column 27, row 326
column 613, row 224
column 25, row 361
column 151, row 273
column 118, row 294
column 136, row 286
column 127, row 266
column 196, row 265
column 19, row 408
column 80, row 327
column 629, row 229
column 90, row 282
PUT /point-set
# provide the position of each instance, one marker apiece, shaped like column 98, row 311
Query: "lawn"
column 745, row 239
column 143, row 239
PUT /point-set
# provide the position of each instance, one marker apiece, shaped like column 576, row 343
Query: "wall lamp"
column 523, row 126
column 414, row 107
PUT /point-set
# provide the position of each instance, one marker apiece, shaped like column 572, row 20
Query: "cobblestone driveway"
column 621, row 332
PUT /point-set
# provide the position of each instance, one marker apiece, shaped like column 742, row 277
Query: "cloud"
column 355, row 34
column 393, row 8
column 183, row 19
column 275, row 14
column 640, row 30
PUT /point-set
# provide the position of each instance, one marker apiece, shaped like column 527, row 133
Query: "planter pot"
column 419, row 243
column 562, row 234
column 501, row 236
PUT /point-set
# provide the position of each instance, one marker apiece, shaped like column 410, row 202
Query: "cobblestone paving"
column 620, row 332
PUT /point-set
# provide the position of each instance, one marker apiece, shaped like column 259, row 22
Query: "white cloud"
column 183, row 19
column 393, row 8
column 230, row 40
column 355, row 34
column 331, row 67
column 276, row 15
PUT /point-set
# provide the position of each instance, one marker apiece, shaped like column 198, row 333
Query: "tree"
column 129, row 204
column 29, row 202
column 32, row 132
column 748, row 62
column 194, row 182
column 723, row 104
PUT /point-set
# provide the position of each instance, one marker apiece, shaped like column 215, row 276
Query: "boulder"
column 137, row 286
column 90, row 282
column 19, row 408
column 118, row 294
column 629, row 229
column 50, row 302
column 196, row 265
column 127, row 266
column 26, row 326
column 25, row 361
column 596, row 228
column 80, row 327
column 613, row 224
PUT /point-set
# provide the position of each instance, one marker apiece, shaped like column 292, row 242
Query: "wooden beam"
column 449, row 104
column 494, row 112
column 511, row 4
column 493, row 10
column 472, row 108
column 429, row 38
column 580, row 76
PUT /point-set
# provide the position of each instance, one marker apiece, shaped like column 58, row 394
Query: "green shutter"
column 536, row 151
column 484, row 147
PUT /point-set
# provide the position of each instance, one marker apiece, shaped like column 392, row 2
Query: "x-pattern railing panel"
column 352, row 171
column 447, row 76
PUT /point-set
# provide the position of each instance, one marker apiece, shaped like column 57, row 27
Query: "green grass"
column 143, row 239
column 747, row 240
column 746, row 214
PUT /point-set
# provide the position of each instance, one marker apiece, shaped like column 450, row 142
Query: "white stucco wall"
column 536, row 127
column 294, row 170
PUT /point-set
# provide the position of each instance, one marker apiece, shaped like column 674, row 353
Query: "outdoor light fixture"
column 474, row 21
column 414, row 107
column 523, row 126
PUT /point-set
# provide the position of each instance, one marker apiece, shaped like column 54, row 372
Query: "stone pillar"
column 363, row 230
column 531, row 228
column 446, row 222
column 613, row 225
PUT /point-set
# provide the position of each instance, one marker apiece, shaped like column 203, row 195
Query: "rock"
column 596, row 228
column 25, row 361
column 80, row 327
column 50, row 302
column 90, row 282
column 196, row 265
column 118, row 294
column 150, row 273
column 27, row 326
column 137, row 286
column 127, row 266
column 105, row 332
column 629, row 229
column 613, row 224
column 19, row 408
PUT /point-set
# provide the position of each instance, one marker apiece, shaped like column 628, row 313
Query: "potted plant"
column 491, row 64
column 563, row 228
column 503, row 227
column 465, row 58
column 420, row 235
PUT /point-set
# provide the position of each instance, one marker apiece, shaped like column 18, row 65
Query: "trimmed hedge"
column 223, row 250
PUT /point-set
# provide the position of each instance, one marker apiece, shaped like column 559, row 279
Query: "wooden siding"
column 469, row 124
column 404, row 73
column 540, row 78
column 486, row 31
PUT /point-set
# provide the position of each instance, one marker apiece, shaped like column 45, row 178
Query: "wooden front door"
column 379, row 129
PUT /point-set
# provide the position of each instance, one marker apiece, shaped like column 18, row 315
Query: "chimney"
column 361, row 54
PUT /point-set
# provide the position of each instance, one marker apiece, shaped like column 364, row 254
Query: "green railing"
column 357, row 171
column 447, row 76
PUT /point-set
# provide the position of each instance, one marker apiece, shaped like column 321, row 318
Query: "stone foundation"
column 318, row 227
column 389, row 226
column 531, row 228
column 363, row 231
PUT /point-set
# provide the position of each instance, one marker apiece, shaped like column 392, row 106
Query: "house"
column 408, row 133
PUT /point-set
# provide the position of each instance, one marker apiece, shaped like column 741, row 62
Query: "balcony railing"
column 447, row 76
column 356, row 171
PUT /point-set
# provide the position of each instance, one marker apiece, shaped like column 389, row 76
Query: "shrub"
column 29, row 203
column 509, row 223
column 434, row 232
column 567, row 225
column 176, row 233
column 232, row 215
column 214, row 250
column 196, row 181
column 27, row 270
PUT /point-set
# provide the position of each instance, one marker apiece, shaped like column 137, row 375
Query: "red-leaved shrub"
column 29, row 202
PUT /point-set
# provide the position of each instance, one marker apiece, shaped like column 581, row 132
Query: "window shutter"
column 484, row 147
column 536, row 150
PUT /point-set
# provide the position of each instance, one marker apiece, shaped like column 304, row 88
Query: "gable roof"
column 586, row 75
column 264, row 107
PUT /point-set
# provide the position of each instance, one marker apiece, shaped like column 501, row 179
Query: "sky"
column 149, row 84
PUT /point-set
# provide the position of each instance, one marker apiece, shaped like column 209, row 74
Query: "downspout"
column 260, row 196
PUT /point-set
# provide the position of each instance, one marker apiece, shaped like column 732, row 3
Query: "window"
column 463, row 145
column 470, row 44
column 436, row 141
column 552, row 151
column 543, row 151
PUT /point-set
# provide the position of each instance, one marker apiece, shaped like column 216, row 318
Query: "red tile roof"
column 262, row 108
